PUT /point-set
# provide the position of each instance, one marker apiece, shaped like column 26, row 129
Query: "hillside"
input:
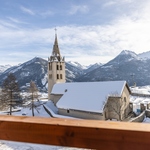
column 36, row 70
column 126, row 66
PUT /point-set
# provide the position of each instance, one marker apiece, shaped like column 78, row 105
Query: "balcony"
column 76, row 133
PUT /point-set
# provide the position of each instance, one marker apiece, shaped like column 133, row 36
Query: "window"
column 57, row 67
column 60, row 67
column 60, row 76
column 57, row 76
column 125, row 99
column 67, row 110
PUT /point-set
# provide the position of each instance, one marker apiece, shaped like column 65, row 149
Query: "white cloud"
column 14, row 20
column 78, row 8
column 27, row 10
column 85, row 44
column 5, row 24
column 109, row 3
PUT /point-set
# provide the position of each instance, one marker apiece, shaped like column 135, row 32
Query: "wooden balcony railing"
column 76, row 133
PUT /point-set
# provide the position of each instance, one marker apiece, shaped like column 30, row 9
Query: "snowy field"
column 137, row 100
column 7, row 145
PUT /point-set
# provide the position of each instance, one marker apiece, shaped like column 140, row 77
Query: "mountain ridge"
column 127, row 66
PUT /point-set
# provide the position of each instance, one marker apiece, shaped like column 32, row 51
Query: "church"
column 85, row 100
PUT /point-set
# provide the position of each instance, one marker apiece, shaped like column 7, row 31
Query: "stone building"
column 56, row 67
column 92, row 100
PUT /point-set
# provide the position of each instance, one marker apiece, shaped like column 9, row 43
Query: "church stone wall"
column 81, row 114
column 55, row 98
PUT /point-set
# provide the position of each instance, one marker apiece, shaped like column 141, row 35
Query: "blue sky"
column 89, row 31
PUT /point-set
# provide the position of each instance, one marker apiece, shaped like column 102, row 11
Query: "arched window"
column 61, row 76
column 60, row 67
column 57, row 76
column 57, row 67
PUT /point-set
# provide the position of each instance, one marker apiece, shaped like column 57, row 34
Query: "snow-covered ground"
column 8, row 145
column 137, row 100
column 141, row 89
column 146, row 120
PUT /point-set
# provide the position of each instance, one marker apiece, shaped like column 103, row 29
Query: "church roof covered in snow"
column 87, row 96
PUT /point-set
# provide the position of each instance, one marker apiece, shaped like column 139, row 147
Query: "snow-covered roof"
column 87, row 96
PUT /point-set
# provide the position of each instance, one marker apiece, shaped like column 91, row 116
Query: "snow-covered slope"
column 73, row 70
column 77, row 65
column 4, row 67
column 145, row 55
column 126, row 66
column 92, row 67
column 36, row 70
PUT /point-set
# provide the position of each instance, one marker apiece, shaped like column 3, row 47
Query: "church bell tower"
column 56, row 67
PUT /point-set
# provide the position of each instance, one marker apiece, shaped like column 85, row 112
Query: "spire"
column 56, row 53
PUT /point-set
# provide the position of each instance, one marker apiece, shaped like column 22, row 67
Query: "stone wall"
column 81, row 114
column 55, row 98
column 139, row 118
column 140, row 94
column 147, row 113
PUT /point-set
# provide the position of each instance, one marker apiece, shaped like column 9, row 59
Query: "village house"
column 86, row 100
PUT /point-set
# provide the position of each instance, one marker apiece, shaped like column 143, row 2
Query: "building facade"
column 93, row 100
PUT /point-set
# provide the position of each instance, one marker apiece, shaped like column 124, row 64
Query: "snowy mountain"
column 145, row 55
column 126, row 66
column 92, row 67
column 73, row 71
column 76, row 64
column 4, row 67
column 36, row 70
column 124, row 56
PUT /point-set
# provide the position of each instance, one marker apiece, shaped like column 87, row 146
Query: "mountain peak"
column 76, row 64
column 128, row 52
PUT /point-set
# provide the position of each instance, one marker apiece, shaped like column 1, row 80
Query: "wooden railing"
column 103, row 135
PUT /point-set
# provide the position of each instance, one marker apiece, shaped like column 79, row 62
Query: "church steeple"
column 56, row 52
column 56, row 67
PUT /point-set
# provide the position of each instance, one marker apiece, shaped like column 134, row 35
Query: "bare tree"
column 34, row 96
column 116, row 105
column 10, row 90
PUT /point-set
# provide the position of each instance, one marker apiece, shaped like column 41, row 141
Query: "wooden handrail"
column 76, row 133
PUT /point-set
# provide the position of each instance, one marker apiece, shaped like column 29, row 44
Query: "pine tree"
column 10, row 89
